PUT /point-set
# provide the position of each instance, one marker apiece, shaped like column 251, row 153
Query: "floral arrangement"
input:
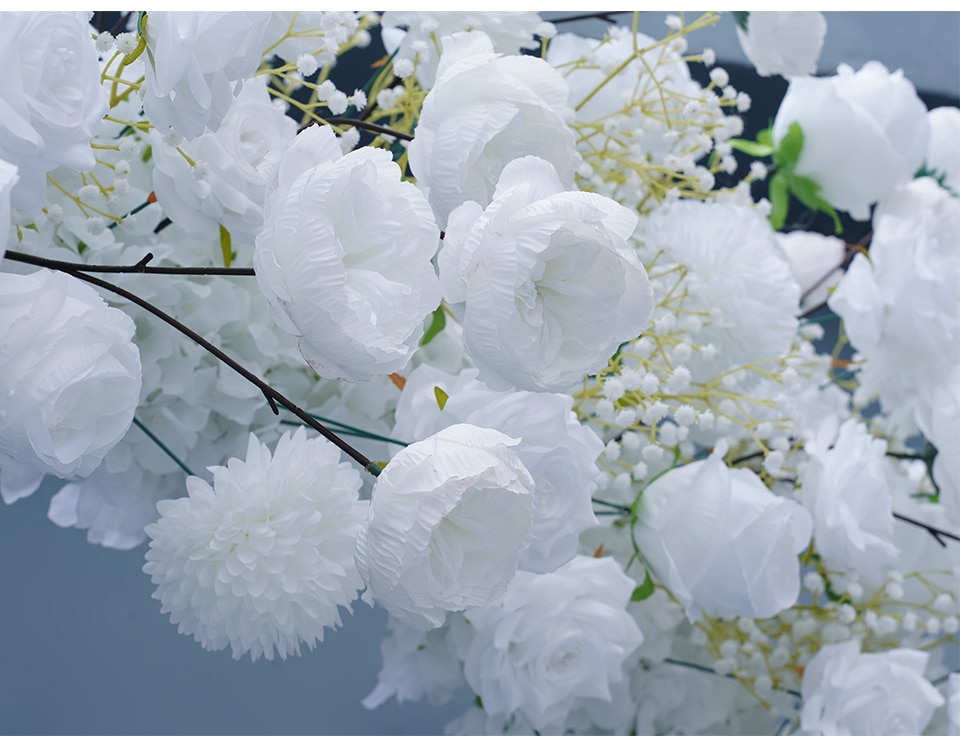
column 505, row 342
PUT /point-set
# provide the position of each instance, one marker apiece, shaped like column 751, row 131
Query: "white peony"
column 864, row 133
column 69, row 379
column 261, row 560
column 8, row 180
column 560, row 453
column 552, row 640
column 549, row 284
column 448, row 519
column 846, row 491
column 51, row 104
column 485, row 111
column 736, row 272
column 720, row 541
column 846, row 692
column 899, row 307
column 193, row 61
column 223, row 187
column 785, row 43
column 344, row 257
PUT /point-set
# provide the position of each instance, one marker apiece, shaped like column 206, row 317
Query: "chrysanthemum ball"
column 261, row 560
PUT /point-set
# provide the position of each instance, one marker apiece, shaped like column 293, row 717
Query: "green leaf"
column 765, row 136
column 807, row 191
column 788, row 152
column 779, row 200
column 645, row 590
column 751, row 148
column 441, row 395
column 147, row 154
column 225, row 242
column 741, row 17
column 436, row 325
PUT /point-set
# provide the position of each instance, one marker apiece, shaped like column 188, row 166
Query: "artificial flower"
column 785, row 43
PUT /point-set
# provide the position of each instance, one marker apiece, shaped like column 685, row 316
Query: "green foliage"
column 437, row 324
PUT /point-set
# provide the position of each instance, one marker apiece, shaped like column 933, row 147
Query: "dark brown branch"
column 932, row 531
column 605, row 15
column 357, row 123
column 141, row 267
column 273, row 396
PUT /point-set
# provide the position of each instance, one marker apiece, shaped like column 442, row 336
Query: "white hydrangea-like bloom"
column 846, row 692
column 721, row 541
column 485, row 111
column 550, row 286
column 560, row 452
column 69, row 379
column 448, row 519
column 785, row 43
column 551, row 640
column 864, row 133
column 736, row 272
column 846, row 491
column 51, row 104
column 224, row 188
column 193, row 61
column 344, row 258
column 411, row 34
column 899, row 307
column 261, row 560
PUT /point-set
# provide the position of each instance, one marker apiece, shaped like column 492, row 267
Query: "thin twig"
column 358, row 123
column 931, row 530
column 139, row 267
column 604, row 15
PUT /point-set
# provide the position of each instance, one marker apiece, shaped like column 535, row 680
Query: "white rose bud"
column 448, row 519
column 69, row 379
column 863, row 133
column 787, row 43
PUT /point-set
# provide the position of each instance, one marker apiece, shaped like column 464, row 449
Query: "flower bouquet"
column 523, row 338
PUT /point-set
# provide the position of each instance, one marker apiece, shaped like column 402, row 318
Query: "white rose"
column 51, row 103
column 448, row 519
column 560, row 452
column 69, row 379
column 484, row 111
column 943, row 153
column 193, row 60
column 344, row 257
column 8, row 180
column 863, row 133
column 721, row 541
column 845, row 489
column 846, row 692
column 553, row 640
column 224, row 188
column 787, row 43
column 549, row 284
column 815, row 260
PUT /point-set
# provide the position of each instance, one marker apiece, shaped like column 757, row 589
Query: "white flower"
column 194, row 58
column 953, row 703
column 815, row 259
column 291, row 34
column 549, row 284
column 737, row 273
column 846, row 491
column 448, row 519
column 261, row 560
column 232, row 191
column 8, row 180
column 69, row 379
column 863, row 133
column 846, row 692
column 508, row 31
column 787, row 43
column 552, row 640
column 721, row 541
column 344, row 257
column 560, row 453
column 899, row 307
column 51, row 104
column 943, row 152
column 485, row 111
column 941, row 427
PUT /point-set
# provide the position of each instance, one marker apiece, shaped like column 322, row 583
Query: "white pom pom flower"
column 447, row 522
column 261, row 560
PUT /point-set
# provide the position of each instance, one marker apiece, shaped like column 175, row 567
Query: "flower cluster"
column 638, row 456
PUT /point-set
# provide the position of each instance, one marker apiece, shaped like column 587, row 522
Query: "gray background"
column 85, row 649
